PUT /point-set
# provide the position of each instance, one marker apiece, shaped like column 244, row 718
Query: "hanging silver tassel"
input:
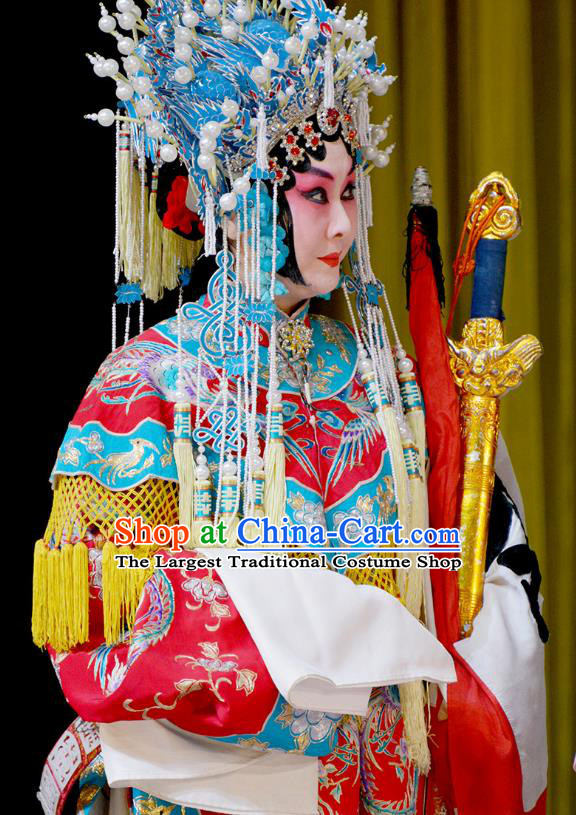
column 363, row 120
column 328, row 78
column 209, row 225
column 261, row 140
column 367, row 182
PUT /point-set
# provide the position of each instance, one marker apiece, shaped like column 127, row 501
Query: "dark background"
column 62, row 228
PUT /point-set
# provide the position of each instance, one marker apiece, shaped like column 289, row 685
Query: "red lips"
column 331, row 260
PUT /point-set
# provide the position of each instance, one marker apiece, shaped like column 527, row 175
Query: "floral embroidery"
column 308, row 726
column 386, row 500
column 69, row 454
column 362, row 510
column 306, row 512
column 211, row 661
column 322, row 377
column 152, row 806
column 167, row 457
column 210, row 591
column 334, row 334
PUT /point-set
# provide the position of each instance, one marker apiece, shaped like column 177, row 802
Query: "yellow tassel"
column 113, row 593
column 275, row 470
column 186, row 469
column 127, row 178
column 67, row 592
column 177, row 252
column 55, row 618
column 413, row 702
column 40, row 595
column 190, row 251
column 152, row 282
column 411, row 586
column 417, row 424
column 185, row 464
column 410, row 583
column 181, row 259
column 275, row 483
column 387, row 421
column 134, row 271
column 60, row 596
column 412, row 694
column 419, row 490
column 135, row 581
column 80, row 592
column 419, row 493
column 121, row 591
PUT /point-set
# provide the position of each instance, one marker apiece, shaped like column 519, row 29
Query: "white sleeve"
column 327, row 641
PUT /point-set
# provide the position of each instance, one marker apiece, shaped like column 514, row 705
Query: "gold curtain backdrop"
column 488, row 86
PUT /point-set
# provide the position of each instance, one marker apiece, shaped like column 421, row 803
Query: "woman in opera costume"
column 243, row 133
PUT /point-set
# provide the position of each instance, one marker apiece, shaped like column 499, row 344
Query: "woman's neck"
column 289, row 304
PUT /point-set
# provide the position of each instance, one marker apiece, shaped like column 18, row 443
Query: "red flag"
column 442, row 411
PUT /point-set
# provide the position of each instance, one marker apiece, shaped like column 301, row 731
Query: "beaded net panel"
column 81, row 503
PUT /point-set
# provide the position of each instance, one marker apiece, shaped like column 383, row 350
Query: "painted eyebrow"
column 320, row 172
column 324, row 173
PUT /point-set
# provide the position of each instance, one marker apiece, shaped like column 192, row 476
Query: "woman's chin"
column 326, row 280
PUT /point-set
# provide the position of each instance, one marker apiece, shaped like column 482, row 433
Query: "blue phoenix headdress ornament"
column 218, row 85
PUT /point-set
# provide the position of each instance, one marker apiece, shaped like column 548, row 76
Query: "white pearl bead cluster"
column 189, row 17
column 241, row 13
column 403, row 363
column 260, row 74
column 351, row 29
column 212, row 8
column 202, row 470
column 229, row 468
column 208, row 139
column 137, row 85
column 183, row 35
column 377, row 134
column 365, row 363
column 127, row 19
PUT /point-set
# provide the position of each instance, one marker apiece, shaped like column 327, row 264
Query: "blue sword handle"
column 489, row 278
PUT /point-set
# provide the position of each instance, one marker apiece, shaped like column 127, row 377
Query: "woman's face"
column 323, row 208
